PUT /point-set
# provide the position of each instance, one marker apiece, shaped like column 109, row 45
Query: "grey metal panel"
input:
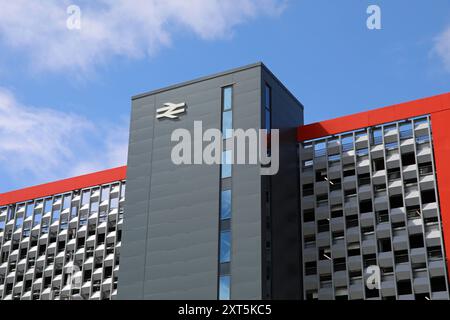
column 287, row 115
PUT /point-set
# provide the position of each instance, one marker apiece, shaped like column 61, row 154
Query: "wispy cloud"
column 442, row 47
column 129, row 28
column 42, row 144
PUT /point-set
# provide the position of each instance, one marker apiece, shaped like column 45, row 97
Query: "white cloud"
column 442, row 47
column 130, row 28
column 43, row 144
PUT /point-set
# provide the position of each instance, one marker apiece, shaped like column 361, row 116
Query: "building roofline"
column 62, row 186
column 216, row 75
column 201, row 79
column 374, row 117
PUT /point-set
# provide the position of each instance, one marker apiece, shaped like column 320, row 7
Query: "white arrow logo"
column 171, row 110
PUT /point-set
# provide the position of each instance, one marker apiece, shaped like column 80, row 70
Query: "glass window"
column 2, row 225
column 225, row 206
column 224, row 287
column 227, row 124
column 11, row 211
column 66, row 201
column 48, row 205
column 37, row 218
column 268, row 107
column 29, row 210
column 105, row 193
column 225, row 246
column 114, row 203
column 55, row 215
column 94, row 207
column 227, row 98
column 19, row 222
column 123, row 188
column 85, row 197
column 73, row 212
column 226, row 163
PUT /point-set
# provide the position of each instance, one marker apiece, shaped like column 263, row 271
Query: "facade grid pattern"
column 369, row 199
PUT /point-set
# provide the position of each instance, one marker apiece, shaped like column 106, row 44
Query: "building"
column 195, row 231
column 357, row 192
column 62, row 240
column 375, row 192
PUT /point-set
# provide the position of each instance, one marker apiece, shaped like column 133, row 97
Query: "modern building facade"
column 366, row 190
column 62, row 240
column 375, row 192
column 212, row 231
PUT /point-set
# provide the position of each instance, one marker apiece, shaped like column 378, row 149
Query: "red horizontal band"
column 374, row 117
column 66, row 185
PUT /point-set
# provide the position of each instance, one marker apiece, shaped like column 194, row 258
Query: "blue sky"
column 65, row 94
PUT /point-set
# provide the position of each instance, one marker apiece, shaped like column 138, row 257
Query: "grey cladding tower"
column 211, row 231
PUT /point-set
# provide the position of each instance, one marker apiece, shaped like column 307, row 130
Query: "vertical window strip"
column 225, row 212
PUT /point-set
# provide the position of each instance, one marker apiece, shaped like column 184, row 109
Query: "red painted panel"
column 374, row 117
column 441, row 140
column 57, row 187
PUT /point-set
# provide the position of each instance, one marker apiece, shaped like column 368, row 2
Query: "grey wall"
column 287, row 115
column 170, row 236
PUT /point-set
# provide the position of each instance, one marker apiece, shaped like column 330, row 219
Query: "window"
column 37, row 218
column 408, row 159
column 351, row 221
column 382, row 216
column 48, row 205
column 364, row 179
column 416, row 241
column 225, row 205
column 396, row 201
column 227, row 113
column 267, row 108
column 406, row 130
column 349, row 170
column 310, row 268
column 339, row 264
column 308, row 215
column 384, row 245
column 323, row 225
column 227, row 124
column 114, row 203
column 365, row 206
column 226, row 163
column 428, row 196
column 401, row 256
column 225, row 246
column 362, row 152
column 308, row 189
column 85, row 197
column 425, row 169
column 391, row 146
column 307, row 164
column 55, row 215
column 378, row 164
column 224, row 287
column 320, row 149
column 321, row 175
column 377, row 136
column 66, row 201
column 438, row 284
column 29, row 209
column 334, row 158
column 404, row 287
column 336, row 211
column 347, row 143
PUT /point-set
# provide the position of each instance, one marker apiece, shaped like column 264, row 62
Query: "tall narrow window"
column 267, row 108
column 225, row 205
column 225, row 211
column 227, row 114
column 29, row 210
